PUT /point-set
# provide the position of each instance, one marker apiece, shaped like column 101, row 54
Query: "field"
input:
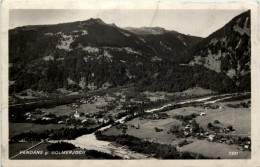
column 147, row 131
column 215, row 150
column 239, row 118
column 185, row 111
column 83, row 108
column 18, row 128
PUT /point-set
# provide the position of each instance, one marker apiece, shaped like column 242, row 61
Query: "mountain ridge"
column 90, row 54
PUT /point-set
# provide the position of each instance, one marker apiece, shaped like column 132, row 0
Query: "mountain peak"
column 95, row 20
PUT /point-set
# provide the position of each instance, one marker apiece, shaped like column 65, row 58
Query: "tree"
column 230, row 127
column 216, row 122
column 209, row 125
column 195, row 126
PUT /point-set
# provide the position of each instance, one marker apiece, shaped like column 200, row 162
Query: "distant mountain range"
column 92, row 55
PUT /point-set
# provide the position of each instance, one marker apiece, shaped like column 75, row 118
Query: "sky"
column 193, row 22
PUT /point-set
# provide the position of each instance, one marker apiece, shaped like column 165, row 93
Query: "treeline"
column 160, row 151
column 60, row 146
column 177, row 78
column 93, row 154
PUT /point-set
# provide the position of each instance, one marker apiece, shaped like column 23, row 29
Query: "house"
column 76, row 114
column 28, row 114
column 222, row 140
column 75, row 105
column 46, row 118
column 137, row 126
column 186, row 134
column 202, row 114
column 106, row 120
column 100, row 120
column 211, row 137
column 21, row 141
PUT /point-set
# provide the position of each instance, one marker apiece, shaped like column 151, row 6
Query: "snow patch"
column 86, row 59
column 166, row 46
column 84, row 32
column 131, row 50
column 125, row 34
column 211, row 61
column 107, row 55
column 142, row 39
column 238, row 44
column 92, row 86
column 90, row 49
column 213, row 41
column 243, row 30
column 231, row 73
column 60, row 59
column 70, row 81
column 155, row 58
column 65, row 42
column 106, row 85
column 49, row 34
column 129, row 75
column 82, row 83
column 48, row 58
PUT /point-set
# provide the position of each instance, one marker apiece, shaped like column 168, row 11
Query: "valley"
column 154, row 124
column 101, row 91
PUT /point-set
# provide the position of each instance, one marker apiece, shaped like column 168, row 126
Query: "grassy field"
column 212, row 149
column 185, row 111
column 83, row 108
column 239, row 118
column 18, row 128
column 147, row 131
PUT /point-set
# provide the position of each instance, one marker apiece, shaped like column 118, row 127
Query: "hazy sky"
column 194, row 22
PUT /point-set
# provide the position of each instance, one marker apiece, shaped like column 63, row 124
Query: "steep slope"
column 166, row 43
column 79, row 55
column 228, row 51
column 89, row 55
column 84, row 55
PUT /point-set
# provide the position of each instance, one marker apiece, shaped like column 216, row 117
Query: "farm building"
column 76, row 114
column 202, row 114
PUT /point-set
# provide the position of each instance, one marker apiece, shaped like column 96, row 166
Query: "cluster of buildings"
column 156, row 116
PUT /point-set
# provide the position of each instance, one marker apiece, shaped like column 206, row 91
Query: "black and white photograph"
column 129, row 84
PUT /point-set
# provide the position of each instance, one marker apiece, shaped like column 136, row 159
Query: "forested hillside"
column 90, row 55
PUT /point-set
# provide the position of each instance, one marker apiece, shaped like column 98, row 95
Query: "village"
column 86, row 115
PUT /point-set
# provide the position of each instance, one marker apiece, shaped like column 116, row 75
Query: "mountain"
column 165, row 42
column 90, row 55
column 147, row 30
column 228, row 51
